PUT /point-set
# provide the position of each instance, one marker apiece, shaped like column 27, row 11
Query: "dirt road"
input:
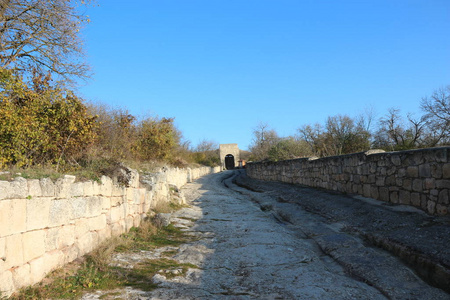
column 245, row 250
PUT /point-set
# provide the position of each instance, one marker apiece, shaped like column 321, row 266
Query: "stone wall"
column 46, row 224
column 419, row 178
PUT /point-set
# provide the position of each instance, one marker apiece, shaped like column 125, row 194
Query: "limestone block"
column 66, row 236
column 117, row 229
column 60, row 212
column 2, row 254
column 431, row 207
column 405, row 197
column 97, row 223
column 384, row 194
column 429, row 183
column 436, row 171
column 415, row 199
column 380, row 181
column 37, row 269
column 366, row 190
column 63, row 186
column 444, row 197
column 134, row 178
column 70, row 253
column 81, row 227
column 423, row 202
column 76, row 189
column 443, row 184
column 129, row 193
column 393, row 197
column 412, row 171
column 95, row 188
column 93, row 206
column 6, row 283
column 34, row 188
column 88, row 188
column 374, row 192
column 445, row 173
column 4, row 189
column 425, row 170
column 12, row 216
column 137, row 220
column 78, row 207
column 47, row 187
column 22, row 276
column 14, row 251
column 87, row 242
column 104, row 234
column 106, row 186
column 441, row 209
column 53, row 260
column 417, row 185
column 5, row 217
column 116, row 214
column 38, row 213
column 18, row 188
column 407, row 184
column 33, row 244
column 129, row 222
column 118, row 191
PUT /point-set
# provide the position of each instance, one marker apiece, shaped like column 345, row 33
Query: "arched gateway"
column 229, row 155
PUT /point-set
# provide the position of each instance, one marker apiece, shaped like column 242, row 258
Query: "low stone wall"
column 419, row 178
column 45, row 224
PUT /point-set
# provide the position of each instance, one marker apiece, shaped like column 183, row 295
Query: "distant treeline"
column 342, row 134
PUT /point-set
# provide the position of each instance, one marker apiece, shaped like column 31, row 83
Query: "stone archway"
column 229, row 162
column 229, row 149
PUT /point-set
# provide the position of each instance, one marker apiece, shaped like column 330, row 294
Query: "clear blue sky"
column 222, row 66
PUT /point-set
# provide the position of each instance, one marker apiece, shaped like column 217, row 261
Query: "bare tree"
column 437, row 109
column 264, row 138
column 43, row 35
column 394, row 134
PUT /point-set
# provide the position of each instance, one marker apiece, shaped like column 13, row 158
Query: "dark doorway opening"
column 229, row 161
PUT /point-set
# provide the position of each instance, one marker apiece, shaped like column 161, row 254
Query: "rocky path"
column 244, row 251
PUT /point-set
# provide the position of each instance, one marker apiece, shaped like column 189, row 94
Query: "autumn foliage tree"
column 41, row 124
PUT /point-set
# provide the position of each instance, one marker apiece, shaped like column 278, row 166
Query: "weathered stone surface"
column 76, row 189
column 47, row 187
column 38, row 213
column 412, row 172
column 18, row 188
column 81, row 227
column 34, row 188
column 63, row 186
column 443, row 184
column 425, row 170
column 443, row 197
column 4, row 189
column 60, row 212
column 21, row 276
column 97, row 223
column 37, row 269
column 33, row 244
column 415, row 199
column 417, row 185
column 405, row 197
column 14, row 251
column 446, row 171
column 6, row 283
